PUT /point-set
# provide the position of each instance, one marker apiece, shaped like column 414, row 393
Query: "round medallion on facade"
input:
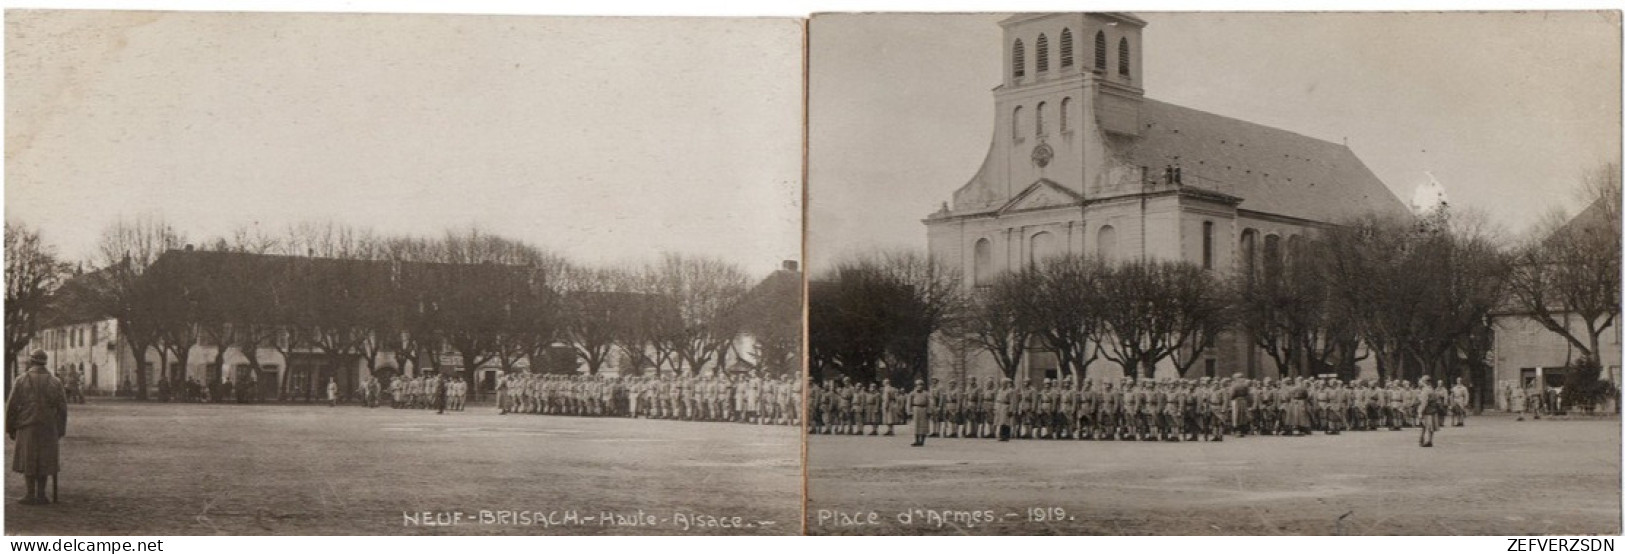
column 1042, row 154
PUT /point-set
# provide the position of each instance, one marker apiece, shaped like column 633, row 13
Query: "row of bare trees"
column 406, row 304
column 1416, row 296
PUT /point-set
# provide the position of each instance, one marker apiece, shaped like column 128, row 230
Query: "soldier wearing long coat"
column 1002, row 410
column 36, row 418
column 919, row 402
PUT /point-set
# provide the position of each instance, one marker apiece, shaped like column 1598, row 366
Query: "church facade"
column 1082, row 162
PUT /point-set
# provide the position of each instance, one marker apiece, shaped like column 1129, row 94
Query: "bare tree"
column 999, row 318
column 1568, row 271
column 705, row 290
column 125, row 251
column 1066, row 310
column 594, row 303
column 1154, row 309
column 33, row 274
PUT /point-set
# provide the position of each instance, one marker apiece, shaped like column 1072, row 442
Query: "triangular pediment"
column 1043, row 193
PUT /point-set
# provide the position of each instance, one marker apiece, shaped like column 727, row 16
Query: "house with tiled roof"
column 1082, row 162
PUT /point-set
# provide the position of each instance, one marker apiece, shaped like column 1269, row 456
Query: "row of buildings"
column 80, row 337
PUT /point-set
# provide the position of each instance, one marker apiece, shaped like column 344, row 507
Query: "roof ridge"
column 1252, row 123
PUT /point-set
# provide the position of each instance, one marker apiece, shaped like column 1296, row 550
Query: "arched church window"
column 1294, row 248
column 1100, row 51
column 1272, row 257
column 1018, row 60
column 982, row 262
column 1066, row 48
column 1249, row 254
column 1015, row 123
column 1207, row 245
column 1040, row 247
column 1038, row 119
column 1066, row 114
column 1122, row 57
column 1106, row 242
column 1043, row 53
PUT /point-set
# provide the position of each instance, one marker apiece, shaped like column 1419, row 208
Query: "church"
column 1082, row 162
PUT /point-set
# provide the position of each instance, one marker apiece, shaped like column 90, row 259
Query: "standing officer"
column 1088, row 402
column 919, row 400
column 1458, row 403
column 950, row 414
column 1430, row 406
column 1001, row 410
column 1239, row 400
column 1106, row 417
column 36, row 418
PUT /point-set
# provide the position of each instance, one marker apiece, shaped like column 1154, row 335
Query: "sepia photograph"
column 1214, row 273
column 374, row 274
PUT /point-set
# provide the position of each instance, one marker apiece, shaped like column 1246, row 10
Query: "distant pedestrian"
column 332, row 392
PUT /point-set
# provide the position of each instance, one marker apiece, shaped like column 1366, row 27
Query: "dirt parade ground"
column 201, row 469
column 1494, row 476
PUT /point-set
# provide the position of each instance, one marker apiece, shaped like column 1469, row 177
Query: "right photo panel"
column 1214, row 273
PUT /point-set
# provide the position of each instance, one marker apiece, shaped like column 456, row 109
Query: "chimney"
column 791, row 265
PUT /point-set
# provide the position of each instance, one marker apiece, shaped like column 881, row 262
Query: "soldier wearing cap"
column 972, row 408
column 891, row 407
column 1043, row 411
column 1066, row 410
column 919, row 400
column 1458, row 403
column 1021, row 403
column 1001, row 410
column 1240, row 398
column 1111, row 400
column 950, row 414
column 1429, row 407
column 1088, row 406
column 36, row 418
column 938, row 400
column 1155, row 409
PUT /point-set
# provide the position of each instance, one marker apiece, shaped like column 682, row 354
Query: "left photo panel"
column 360, row 274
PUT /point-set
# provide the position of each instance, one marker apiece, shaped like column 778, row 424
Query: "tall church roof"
column 1271, row 170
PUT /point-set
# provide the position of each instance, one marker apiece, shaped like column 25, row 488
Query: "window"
column 1015, row 123
column 1249, row 254
column 1018, row 60
column 1040, row 247
column 1066, row 109
column 1043, row 53
column 1066, row 48
column 982, row 260
column 1100, row 51
column 1272, row 257
column 1106, row 242
column 1038, row 119
column 1207, row 245
column 1294, row 249
column 1122, row 56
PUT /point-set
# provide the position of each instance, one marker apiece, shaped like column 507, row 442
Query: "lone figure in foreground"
column 37, row 418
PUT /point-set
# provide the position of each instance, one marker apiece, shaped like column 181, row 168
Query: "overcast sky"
column 1505, row 109
column 608, row 140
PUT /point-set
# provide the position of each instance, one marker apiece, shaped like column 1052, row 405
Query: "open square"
column 1493, row 476
column 203, row 469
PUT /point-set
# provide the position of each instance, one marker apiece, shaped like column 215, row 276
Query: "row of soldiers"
column 422, row 392
column 1142, row 409
column 733, row 398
